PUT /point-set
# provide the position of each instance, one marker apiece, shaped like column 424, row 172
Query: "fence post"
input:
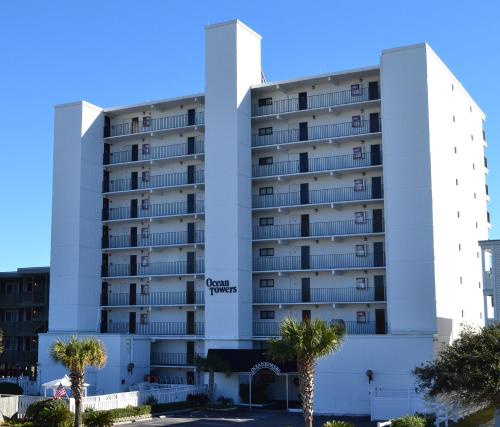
column 455, row 412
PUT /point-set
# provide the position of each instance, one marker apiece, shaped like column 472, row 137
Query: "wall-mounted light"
column 130, row 368
column 369, row 374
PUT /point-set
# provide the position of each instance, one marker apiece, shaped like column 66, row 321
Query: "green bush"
column 93, row 418
column 409, row 421
column 50, row 413
column 130, row 411
column 338, row 424
column 35, row 408
column 151, row 400
column 10, row 388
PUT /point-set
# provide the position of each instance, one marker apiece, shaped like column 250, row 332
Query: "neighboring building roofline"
column 24, row 271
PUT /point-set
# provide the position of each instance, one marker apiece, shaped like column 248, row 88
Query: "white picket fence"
column 105, row 402
column 29, row 387
column 168, row 393
column 8, row 405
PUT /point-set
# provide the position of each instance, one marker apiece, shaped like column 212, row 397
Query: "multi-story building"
column 201, row 222
column 491, row 279
column 24, row 313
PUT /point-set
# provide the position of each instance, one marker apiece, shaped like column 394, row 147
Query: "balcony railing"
column 173, row 359
column 318, row 164
column 157, row 124
column 327, row 195
column 338, row 130
column 154, row 298
column 272, row 329
column 157, row 181
column 18, row 356
column 315, row 295
column 157, row 328
column 32, row 327
column 156, row 269
column 323, row 100
column 170, row 238
column 156, row 153
column 154, row 210
column 315, row 229
column 315, row 262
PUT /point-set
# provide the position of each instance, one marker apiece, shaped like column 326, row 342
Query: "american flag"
column 60, row 392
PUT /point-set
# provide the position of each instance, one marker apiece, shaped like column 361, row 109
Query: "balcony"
column 271, row 329
column 153, row 299
column 316, row 197
column 317, row 133
column 319, row 164
column 316, row 229
column 323, row 100
column 160, row 210
column 317, row 262
column 154, row 181
column 172, row 238
column 157, row 328
column 23, row 327
column 171, row 268
column 155, row 153
column 317, row 296
column 155, row 124
column 173, row 359
column 14, row 357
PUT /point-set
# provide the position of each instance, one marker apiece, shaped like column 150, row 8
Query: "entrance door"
column 190, row 377
column 306, row 315
column 107, row 127
column 105, row 209
column 190, row 232
column 190, row 174
column 131, row 322
column 104, row 321
column 135, row 125
column 105, row 236
column 306, row 289
column 190, row 296
column 104, row 265
column 105, row 181
column 374, row 122
column 303, row 131
column 190, row 322
column 133, row 265
column 376, row 187
column 133, row 236
column 104, row 293
column 304, row 162
column 190, row 145
column 133, row 208
column 379, row 287
column 135, row 153
column 378, row 254
column 190, row 203
column 190, row 261
column 132, row 296
column 380, row 321
column 106, row 156
column 133, row 181
column 378, row 221
column 375, row 157
column 304, row 225
column 304, row 194
column 373, row 92
column 190, row 352
column 305, row 258
column 303, row 101
column 191, row 117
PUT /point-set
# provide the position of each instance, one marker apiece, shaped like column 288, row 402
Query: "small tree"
column 211, row 364
column 76, row 355
column 306, row 342
column 467, row 371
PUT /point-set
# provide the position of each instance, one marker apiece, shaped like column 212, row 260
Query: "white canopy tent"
column 65, row 382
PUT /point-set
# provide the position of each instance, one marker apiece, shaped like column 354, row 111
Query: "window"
column 144, row 261
column 357, row 153
column 265, row 131
column 266, row 283
column 266, row 315
column 356, row 89
column 458, row 214
column 144, row 318
column 145, row 232
column 265, row 191
column 27, row 287
column 146, row 121
column 361, row 316
column 361, row 283
column 145, row 289
column 359, row 185
column 145, row 204
column 11, row 316
column 145, row 148
column 356, row 121
column 266, row 221
column 266, row 251
column 264, row 102
column 360, row 250
column 472, row 137
column 359, row 217
column 146, row 176
column 27, row 315
column 265, row 161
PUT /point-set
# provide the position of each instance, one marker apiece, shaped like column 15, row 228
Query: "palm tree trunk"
column 306, row 368
column 77, row 382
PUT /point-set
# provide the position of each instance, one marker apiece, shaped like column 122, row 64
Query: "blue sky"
column 119, row 52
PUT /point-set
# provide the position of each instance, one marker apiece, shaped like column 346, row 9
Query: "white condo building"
column 201, row 222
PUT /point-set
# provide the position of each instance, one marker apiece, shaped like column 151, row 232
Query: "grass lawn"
column 477, row 419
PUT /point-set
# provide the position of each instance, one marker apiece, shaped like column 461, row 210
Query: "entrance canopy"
column 249, row 361
column 64, row 381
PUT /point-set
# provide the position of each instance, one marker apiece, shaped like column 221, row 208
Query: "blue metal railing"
column 337, row 130
column 155, row 298
column 314, row 262
column 318, row 164
column 327, row 195
column 169, row 238
column 156, row 269
column 158, row 328
column 316, row 229
column 156, row 153
column 157, row 181
column 156, row 210
column 173, row 359
column 316, row 295
column 156, row 124
column 272, row 329
column 313, row 101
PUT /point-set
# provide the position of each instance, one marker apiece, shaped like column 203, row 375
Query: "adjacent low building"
column 24, row 313
column 200, row 222
column 491, row 279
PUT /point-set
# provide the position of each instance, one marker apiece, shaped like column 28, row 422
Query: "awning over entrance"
column 242, row 360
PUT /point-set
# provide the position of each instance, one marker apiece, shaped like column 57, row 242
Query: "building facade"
column 491, row 279
column 24, row 313
column 201, row 222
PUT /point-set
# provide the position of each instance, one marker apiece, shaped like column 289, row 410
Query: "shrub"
column 50, row 413
column 259, row 392
column 130, row 411
column 225, row 401
column 338, row 424
column 200, row 399
column 409, row 421
column 35, row 408
column 430, row 419
column 151, row 400
column 97, row 418
column 10, row 388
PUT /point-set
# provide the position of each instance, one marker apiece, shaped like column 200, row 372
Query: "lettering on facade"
column 265, row 365
column 220, row 287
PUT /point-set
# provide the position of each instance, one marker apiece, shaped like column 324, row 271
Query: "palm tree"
column 306, row 342
column 211, row 364
column 76, row 355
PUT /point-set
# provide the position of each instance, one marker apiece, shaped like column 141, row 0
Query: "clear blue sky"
column 112, row 52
